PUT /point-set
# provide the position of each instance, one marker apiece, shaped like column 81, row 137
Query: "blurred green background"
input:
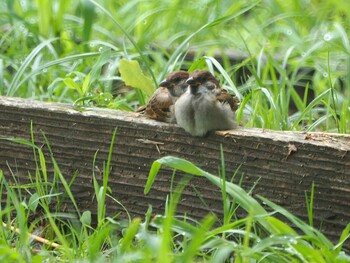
column 288, row 61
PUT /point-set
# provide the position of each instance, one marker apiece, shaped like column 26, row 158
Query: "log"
column 284, row 163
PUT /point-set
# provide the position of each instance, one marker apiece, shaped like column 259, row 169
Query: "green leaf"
column 197, row 239
column 297, row 223
column 312, row 104
column 223, row 19
column 279, row 226
column 269, row 242
column 172, row 162
column 133, row 76
column 152, row 175
column 72, row 85
column 102, row 60
column 86, row 83
column 85, row 218
column 15, row 83
column 128, row 36
column 42, row 164
column 246, row 201
column 345, row 235
column 126, row 242
column 8, row 254
column 33, row 202
column 198, row 64
column 232, row 86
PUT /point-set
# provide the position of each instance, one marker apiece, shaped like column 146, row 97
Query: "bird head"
column 202, row 81
column 176, row 83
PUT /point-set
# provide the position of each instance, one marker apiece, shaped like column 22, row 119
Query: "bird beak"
column 164, row 83
column 190, row 81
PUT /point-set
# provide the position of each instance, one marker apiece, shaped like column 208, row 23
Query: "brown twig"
column 35, row 237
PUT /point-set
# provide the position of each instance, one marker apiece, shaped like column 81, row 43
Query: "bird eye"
column 210, row 86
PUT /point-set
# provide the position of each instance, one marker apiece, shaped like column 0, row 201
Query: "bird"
column 160, row 104
column 205, row 106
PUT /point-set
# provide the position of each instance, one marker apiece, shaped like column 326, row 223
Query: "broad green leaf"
column 33, row 202
column 72, row 85
column 172, row 162
column 246, row 201
column 86, row 218
column 181, row 164
column 133, row 76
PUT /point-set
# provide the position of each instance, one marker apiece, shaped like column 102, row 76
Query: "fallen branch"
column 34, row 237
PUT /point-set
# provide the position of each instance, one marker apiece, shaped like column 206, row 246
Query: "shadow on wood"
column 285, row 162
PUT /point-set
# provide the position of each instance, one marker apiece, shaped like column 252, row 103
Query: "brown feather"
column 158, row 106
column 232, row 100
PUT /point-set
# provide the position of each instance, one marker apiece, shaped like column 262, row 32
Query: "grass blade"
column 14, row 83
column 220, row 20
column 247, row 202
column 130, row 38
column 313, row 103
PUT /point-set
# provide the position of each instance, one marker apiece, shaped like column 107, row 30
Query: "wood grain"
column 285, row 163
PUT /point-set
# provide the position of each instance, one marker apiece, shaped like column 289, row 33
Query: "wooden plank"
column 285, row 162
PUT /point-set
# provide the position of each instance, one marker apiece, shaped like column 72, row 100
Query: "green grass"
column 294, row 75
column 258, row 237
column 70, row 51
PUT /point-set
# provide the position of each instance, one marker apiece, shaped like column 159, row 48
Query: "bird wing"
column 225, row 97
column 158, row 107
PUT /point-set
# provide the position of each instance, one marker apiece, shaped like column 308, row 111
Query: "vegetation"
column 73, row 237
column 293, row 75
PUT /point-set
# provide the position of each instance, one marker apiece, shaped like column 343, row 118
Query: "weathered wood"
column 286, row 162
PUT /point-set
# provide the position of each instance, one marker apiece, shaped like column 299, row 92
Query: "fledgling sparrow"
column 205, row 106
column 158, row 106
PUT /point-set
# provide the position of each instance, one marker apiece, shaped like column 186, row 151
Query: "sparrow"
column 160, row 104
column 205, row 106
